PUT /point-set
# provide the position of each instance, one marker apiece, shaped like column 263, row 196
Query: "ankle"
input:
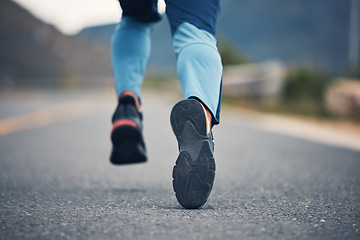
column 132, row 94
column 208, row 115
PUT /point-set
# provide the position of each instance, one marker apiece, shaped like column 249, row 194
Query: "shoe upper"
column 126, row 109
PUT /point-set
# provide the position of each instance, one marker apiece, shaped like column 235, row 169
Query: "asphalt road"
column 57, row 182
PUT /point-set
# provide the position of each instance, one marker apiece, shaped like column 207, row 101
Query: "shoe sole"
column 128, row 146
column 194, row 172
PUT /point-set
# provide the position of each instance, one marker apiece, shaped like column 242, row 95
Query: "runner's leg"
column 130, row 54
column 193, row 25
column 131, row 44
column 200, row 71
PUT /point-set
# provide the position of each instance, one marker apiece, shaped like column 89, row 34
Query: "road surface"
column 57, row 182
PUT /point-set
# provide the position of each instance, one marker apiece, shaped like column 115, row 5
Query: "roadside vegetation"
column 303, row 94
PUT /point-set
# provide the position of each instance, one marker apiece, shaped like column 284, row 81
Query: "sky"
column 70, row 16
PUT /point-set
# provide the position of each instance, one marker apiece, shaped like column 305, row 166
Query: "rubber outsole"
column 194, row 172
column 128, row 146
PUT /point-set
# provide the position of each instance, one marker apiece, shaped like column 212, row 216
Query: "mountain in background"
column 306, row 32
column 31, row 51
column 310, row 32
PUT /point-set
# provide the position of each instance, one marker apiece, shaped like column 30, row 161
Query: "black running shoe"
column 126, row 133
column 194, row 172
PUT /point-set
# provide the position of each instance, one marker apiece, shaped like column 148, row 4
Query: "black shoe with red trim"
column 126, row 134
column 194, row 172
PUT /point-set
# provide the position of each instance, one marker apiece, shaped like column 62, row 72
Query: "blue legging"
column 193, row 25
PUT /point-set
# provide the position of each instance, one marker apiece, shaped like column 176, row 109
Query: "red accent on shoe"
column 123, row 122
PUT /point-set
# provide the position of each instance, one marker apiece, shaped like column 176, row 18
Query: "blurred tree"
column 305, row 83
column 355, row 71
column 229, row 54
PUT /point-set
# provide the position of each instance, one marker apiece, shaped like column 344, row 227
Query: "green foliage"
column 305, row 83
column 229, row 54
column 355, row 71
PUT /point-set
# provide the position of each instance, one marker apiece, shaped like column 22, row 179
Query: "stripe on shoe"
column 123, row 122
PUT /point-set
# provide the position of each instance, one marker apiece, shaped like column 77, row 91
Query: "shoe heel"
column 188, row 110
column 128, row 146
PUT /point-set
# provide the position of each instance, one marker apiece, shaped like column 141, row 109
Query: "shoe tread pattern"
column 194, row 172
